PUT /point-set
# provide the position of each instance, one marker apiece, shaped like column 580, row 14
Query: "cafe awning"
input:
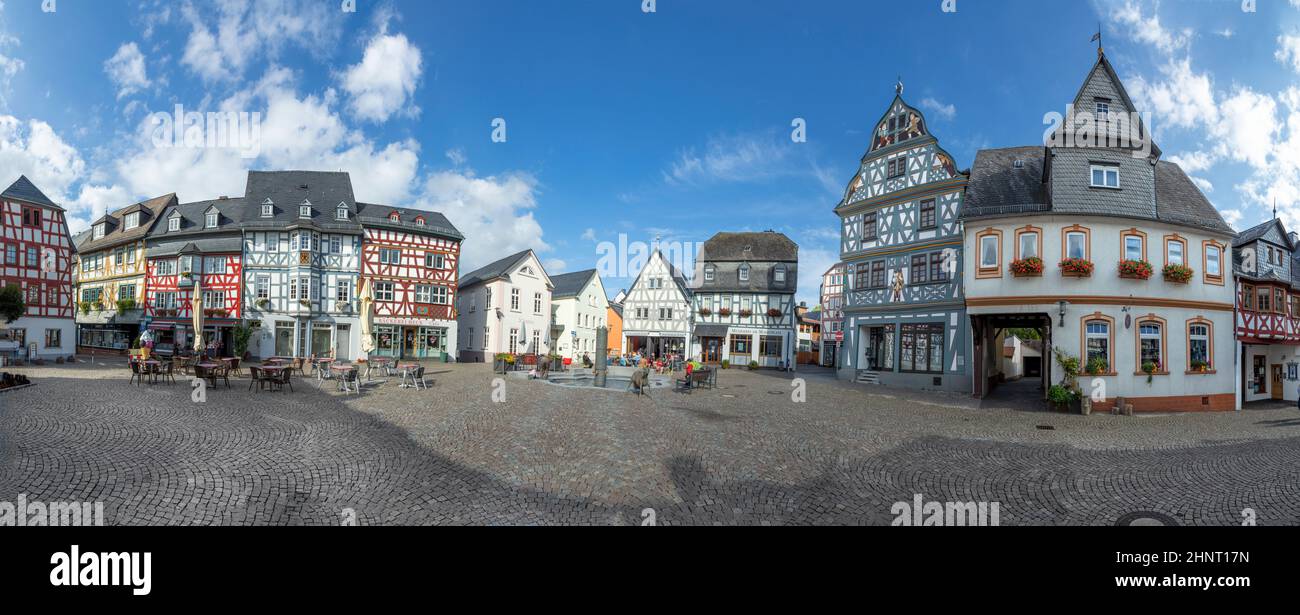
column 710, row 330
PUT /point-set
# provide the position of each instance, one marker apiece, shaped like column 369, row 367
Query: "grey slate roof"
column 570, row 284
column 230, row 211
column 763, row 252
column 997, row 189
column 24, row 190
column 201, row 245
column 287, row 190
column 1259, row 230
column 492, row 271
column 436, row 224
column 764, row 246
column 116, row 234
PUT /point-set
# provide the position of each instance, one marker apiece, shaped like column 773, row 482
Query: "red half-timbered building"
column 410, row 258
column 195, row 247
column 1268, row 311
column 36, row 256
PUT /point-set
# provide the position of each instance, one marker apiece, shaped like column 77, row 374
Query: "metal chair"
column 417, row 378
column 350, row 381
column 136, row 376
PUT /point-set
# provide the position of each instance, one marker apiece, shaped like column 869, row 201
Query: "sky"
column 562, row 125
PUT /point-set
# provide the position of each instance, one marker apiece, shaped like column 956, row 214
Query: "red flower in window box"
column 1025, row 267
column 743, row 313
column 724, row 312
column 1076, row 267
column 1177, row 273
column 706, row 311
column 1135, row 269
column 773, row 313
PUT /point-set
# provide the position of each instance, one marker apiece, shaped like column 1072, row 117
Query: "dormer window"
column 1105, row 176
column 1103, row 106
column 211, row 218
column 419, row 220
column 98, row 233
column 709, row 273
column 395, row 217
column 778, row 275
column 342, row 212
column 744, row 272
column 174, row 223
column 268, row 208
column 132, row 220
column 304, row 211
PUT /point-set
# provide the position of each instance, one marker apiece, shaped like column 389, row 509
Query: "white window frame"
column 1106, row 171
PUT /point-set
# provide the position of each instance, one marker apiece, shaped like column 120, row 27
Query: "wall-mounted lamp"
column 1128, row 318
column 1061, row 304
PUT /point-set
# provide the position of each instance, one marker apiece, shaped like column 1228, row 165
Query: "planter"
column 1026, row 268
column 1177, row 274
column 1135, row 270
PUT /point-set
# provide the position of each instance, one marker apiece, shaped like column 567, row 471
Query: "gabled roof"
column 494, row 270
column 1259, row 230
column 230, row 212
column 436, row 224
column 116, row 232
column 673, row 272
column 289, row 190
column 24, row 190
column 1091, row 86
column 570, row 284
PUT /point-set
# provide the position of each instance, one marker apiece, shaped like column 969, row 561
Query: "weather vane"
column 898, row 87
column 1097, row 38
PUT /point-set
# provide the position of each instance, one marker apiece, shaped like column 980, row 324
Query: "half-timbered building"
column 195, row 248
column 743, row 300
column 410, row 258
column 110, row 276
column 832, row 313
column 36, row 253
column 302, row 249
column 901, row 247
column 1114, row 256
column 1267, row 277
column 657, row 314
column 505, row 307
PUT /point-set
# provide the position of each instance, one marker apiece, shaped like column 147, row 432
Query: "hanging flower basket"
column 1027, row 267
column 1076, row 268
column 1135, row 269
column 724, row 312
column 773, row 313
column 1179, row 274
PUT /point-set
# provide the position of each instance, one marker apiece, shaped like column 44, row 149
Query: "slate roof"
column 116, row 234
column 1259, row 230
column 764, row 246
column 230, row 211
column 492, row 271
column 617, row 307
column 998, row 188
column 288, row 190
column 201, row 245
column 436, row 224
column 570, row 284
column 24, row 190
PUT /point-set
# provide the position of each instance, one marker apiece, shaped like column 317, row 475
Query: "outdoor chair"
column 350, row 381
column 219, row 372
column 417, row 378
column 151, row 370
column 284, row 378
column 168, row 372
column 254, row 377
column 136, row 376
column 234, row 367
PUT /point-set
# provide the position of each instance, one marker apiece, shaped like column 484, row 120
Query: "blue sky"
column 674, row 123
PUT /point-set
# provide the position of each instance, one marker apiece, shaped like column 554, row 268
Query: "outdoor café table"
column 323, row 368
column 338, row 370
column 408, row 372
column 151, row 369
column 229, row 362
column 375, row 363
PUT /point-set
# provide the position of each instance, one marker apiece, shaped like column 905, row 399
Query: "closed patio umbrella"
column 367, row 301
column 196, row 305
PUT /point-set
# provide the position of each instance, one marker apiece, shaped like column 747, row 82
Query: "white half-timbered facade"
column 744, row 300
column 657, row 314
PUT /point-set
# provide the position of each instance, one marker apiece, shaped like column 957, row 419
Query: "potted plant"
column 746, row 313
column 773, row 313
column 726, row 364
column 706, row 311
column 1061, row 397
column 1098, row 366
column 753, row 365
column 124, row 305
column 1076, row 268
column 502, row 362
column 241, row 334
column 305, row 303
column 1178, row 274
column 1199, row 365
column 1135, row 269
column 85, row 307
column 1027, row 267
column 1150, row 368
column 725, row 312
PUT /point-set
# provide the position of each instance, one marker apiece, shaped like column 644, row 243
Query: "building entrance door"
column 1277, row 382
column 712, row 349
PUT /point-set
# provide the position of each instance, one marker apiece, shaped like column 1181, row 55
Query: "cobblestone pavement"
column 743, row 453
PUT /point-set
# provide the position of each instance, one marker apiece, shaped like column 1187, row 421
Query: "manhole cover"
column 776, row 392
column 1146, row 518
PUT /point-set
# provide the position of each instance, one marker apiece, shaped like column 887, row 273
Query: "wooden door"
column 1277, row 382
column 712, row 349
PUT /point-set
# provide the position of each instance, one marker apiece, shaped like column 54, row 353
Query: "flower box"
column 1178, row 274
column 1027, row 267
column 706, row 311
column 725, row 312
column 1076, row 268
column 1135, row 269
column 773, row 313
column 743, row 313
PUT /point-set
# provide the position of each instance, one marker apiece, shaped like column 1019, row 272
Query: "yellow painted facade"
column 111, row 272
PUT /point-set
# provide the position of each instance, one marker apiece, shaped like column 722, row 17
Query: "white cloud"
column 555, row 266
column 1288, row 51
column 126, row 69
column 495, row 212
column 1183, row 98
column 747, row 158
column 382, row 83
column 813, row 262
column 248, row 30
column 34, row 149
column 944, row 111
column 589, row 234
column 1149, row 30
column 457, row 156
column 1231, row 216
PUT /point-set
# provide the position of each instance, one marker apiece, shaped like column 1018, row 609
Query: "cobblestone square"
column 743, row 453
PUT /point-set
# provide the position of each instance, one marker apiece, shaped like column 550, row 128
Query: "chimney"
column 1295, row 237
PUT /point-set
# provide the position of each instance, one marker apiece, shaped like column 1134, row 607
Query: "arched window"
column 1151, row 345
column 1212, row 261
column 1076, row 242
column 1200, row 345
column 1133, row 245
column 1098, row 351
column 988, row 243
column 419, row 220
